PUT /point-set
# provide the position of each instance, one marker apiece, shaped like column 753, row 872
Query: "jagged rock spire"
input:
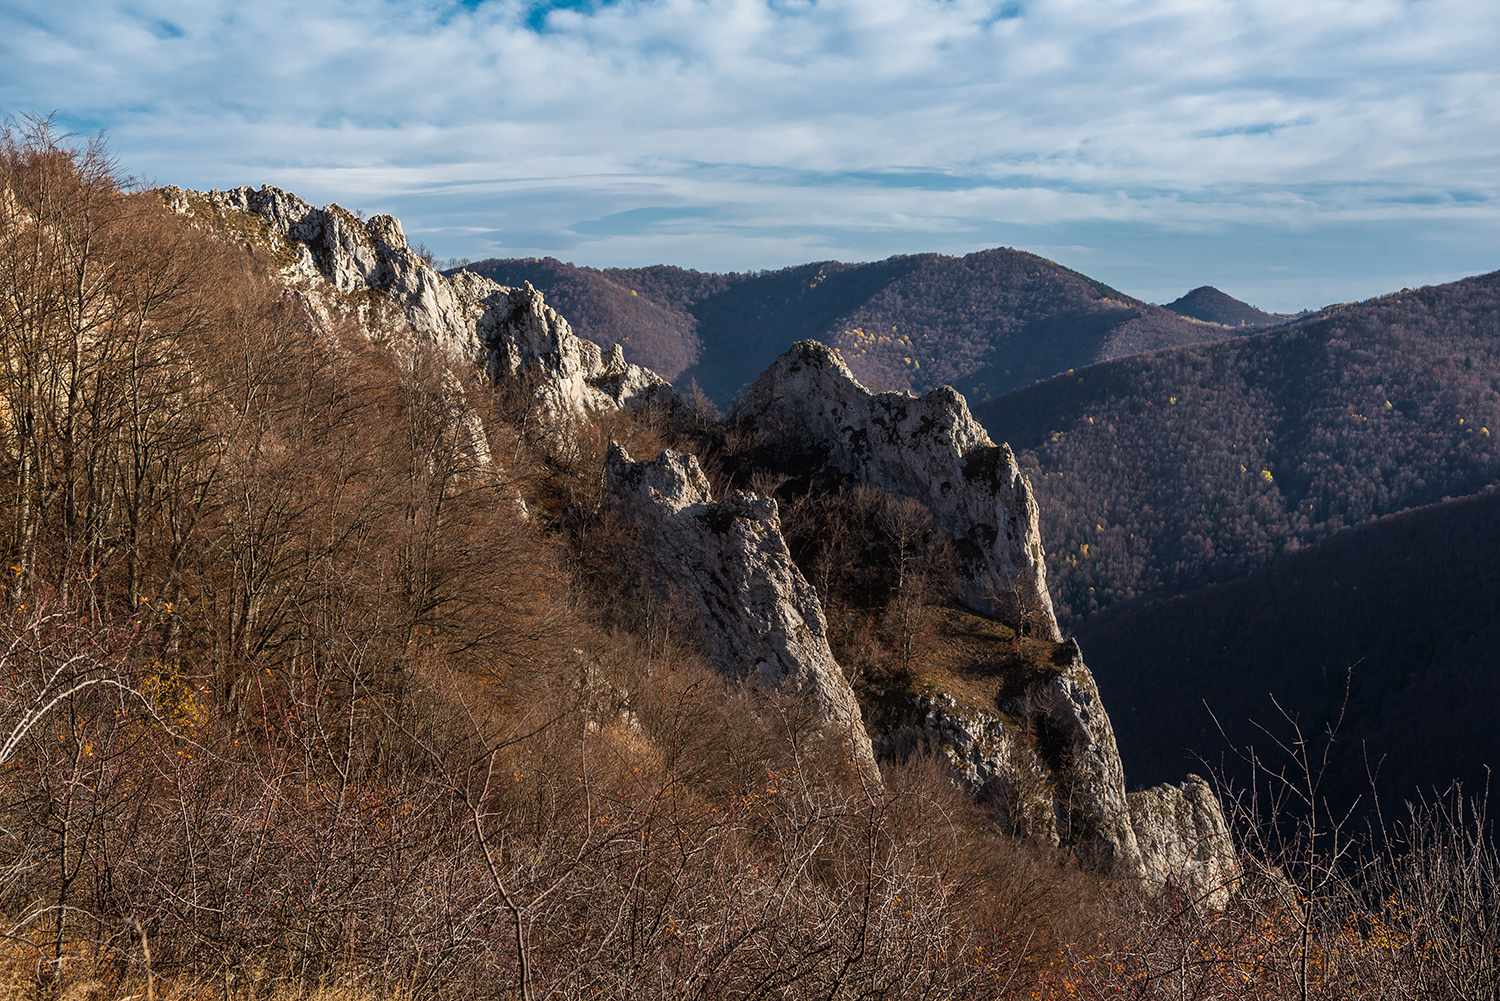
column 927, row 447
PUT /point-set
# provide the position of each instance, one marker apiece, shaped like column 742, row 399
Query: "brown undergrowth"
column 302, row 698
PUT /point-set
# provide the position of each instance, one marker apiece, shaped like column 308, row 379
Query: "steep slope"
column 1208, row 304
column 722, row 568
column 985, row 323
column 1403, row 608
column 1176, row 468
column 1019, row 721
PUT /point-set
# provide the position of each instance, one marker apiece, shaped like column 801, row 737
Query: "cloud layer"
column 1293, row 154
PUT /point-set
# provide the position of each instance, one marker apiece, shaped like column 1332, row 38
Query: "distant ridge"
column 986, row 323
column 1208, row 304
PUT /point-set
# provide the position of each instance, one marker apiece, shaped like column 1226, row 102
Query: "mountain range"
column 986, row 323
column 1173, row 469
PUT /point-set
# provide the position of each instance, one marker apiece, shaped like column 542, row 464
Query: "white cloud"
column 784, row 120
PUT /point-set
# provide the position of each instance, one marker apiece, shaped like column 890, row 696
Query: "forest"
column 308, row 692
column 1166, row 471
column 1390, row 625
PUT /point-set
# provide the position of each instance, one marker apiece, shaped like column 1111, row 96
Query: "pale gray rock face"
column 512, row 332
column 525, row 336
column 929, row 448
column 1047, row 757
column 1185, row 842
column 723, row 570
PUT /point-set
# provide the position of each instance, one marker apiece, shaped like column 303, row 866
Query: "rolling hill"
column 1208, row 304
column 986, row 323
column 1173, row 469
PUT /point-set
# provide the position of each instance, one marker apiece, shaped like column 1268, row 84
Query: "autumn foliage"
column 318, row 678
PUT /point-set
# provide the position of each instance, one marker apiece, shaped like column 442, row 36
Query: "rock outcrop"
column 1185, row 843
column 511, row 331
column 723, row 570
column 808, row 404
column 1043, row 752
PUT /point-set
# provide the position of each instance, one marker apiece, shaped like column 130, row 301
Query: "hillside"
column 1404, row 605
column 1208, row 304
column 368, row 634
column 346, row 650
column 1174, row 469
column 985, row 323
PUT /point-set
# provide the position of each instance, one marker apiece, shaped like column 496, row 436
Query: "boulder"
column 723, row 570
column 808, row 405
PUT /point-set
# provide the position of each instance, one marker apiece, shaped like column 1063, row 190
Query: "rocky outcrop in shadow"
column 1043, row 755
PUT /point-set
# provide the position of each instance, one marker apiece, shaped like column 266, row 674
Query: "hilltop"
column 1208, row 304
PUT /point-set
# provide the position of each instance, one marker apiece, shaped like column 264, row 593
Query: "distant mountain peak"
column 1213, row 306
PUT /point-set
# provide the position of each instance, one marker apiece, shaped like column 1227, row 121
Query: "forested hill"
column 1212, row 306
column 986, row 323
column 1407, row 603
column 1172, row 469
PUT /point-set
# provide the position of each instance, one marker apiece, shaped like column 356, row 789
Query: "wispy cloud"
column 757, row 133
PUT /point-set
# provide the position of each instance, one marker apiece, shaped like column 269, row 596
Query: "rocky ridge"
column 809, row 408
column 722, row 570
column 329, row 253
column 722, row 566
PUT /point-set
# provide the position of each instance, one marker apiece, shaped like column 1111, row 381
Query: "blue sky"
column 1292, row 152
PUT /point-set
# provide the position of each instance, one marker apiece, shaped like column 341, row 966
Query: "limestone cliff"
column 927, row 447
column 330, row 252
column 723, row 570
column 1185, row 842
column 1037, row 745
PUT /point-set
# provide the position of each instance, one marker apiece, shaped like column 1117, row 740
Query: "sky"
column 1293, row 153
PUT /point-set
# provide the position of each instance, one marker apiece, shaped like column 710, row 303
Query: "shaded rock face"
column 1184, row 841
column 1047, row 758
column 724, row 568
column 512, row 332
column 928, row 448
